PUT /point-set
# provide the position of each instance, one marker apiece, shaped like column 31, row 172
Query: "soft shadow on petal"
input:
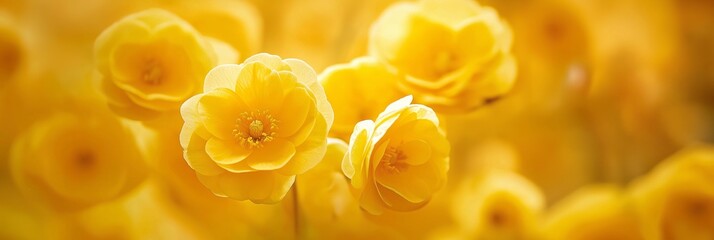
column 226, row 151
column 272, row 155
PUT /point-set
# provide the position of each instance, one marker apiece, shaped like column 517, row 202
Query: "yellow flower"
column 593, row 212
column 151, row 62
column 255, row 127
column 327, row 209
column 451, row 55
column 75, row 159
column 498, row 204
column 398, row 161
column 213, row 18
column 182, row 197
column 12, row 52
column 676, row 200
column 357, row 91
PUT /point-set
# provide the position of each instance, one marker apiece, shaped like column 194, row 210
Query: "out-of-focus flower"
column 255, row 127
column 676, row 200
column 76, row 158
column 182, row 201
column 593, row 212
column 451, row 55
column 151, row 62
column 327, row 208
column 399, row 160
column 236, row 23
column 498, row 204
column 12, row 50
column 357, row 91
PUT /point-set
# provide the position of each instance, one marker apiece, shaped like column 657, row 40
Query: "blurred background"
column 606, row 90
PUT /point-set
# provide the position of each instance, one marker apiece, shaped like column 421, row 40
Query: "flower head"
column 151, row 62
column 498, row 204
column 358, row 90
column 77, row 159
column 592, row 212
column 451, row 55
column 398, row 161
column 255, row 127
column 676, row 200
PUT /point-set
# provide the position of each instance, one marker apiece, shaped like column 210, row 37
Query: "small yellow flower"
column 358, row 90
column 255, row 127
column 398, row 161
column 498, row 204
column 592, row 212
column 676, row 200
column 151, row 62
column 451, row 55
column 76, row 159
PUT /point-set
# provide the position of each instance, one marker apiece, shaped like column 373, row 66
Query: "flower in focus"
column 499, row 204
column 151, row 62
column 593, row 212
column 357, row 91
column 676, row 200
column 76, row 159
column 399, row 160
column 255, row 127
column 451, row 55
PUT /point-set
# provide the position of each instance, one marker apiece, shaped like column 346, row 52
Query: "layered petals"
column 152, row 61
column 398, row 161
column 261, row 123
column 442, row 51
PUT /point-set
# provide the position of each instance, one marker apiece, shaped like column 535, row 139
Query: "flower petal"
column 294, row 111
column 239, row 167
column 196, row 157
column 306, row 75
column 271, row 61
column 222, row 76
column 306, row 129
column 370, row 200
column 417, row 151
column 260, row 87
column 311, row 151
column 226, row 152
column 273, row 155
column 219, row 109
column 258, row 187
column 414, row 183
column 356, row 166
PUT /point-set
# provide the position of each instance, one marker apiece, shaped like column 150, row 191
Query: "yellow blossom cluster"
column 357, row 119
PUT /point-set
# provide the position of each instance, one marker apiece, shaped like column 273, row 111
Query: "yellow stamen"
column 393, row 160
column 251, row 131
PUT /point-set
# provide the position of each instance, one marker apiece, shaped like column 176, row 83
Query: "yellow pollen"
column 393, row 160
column 253, row 129
column 256, row 128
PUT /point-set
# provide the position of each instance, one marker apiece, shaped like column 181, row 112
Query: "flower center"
column 85, row 159
column 253, row 129
column 393, row 160
column 152, row 73
column 444, row 63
